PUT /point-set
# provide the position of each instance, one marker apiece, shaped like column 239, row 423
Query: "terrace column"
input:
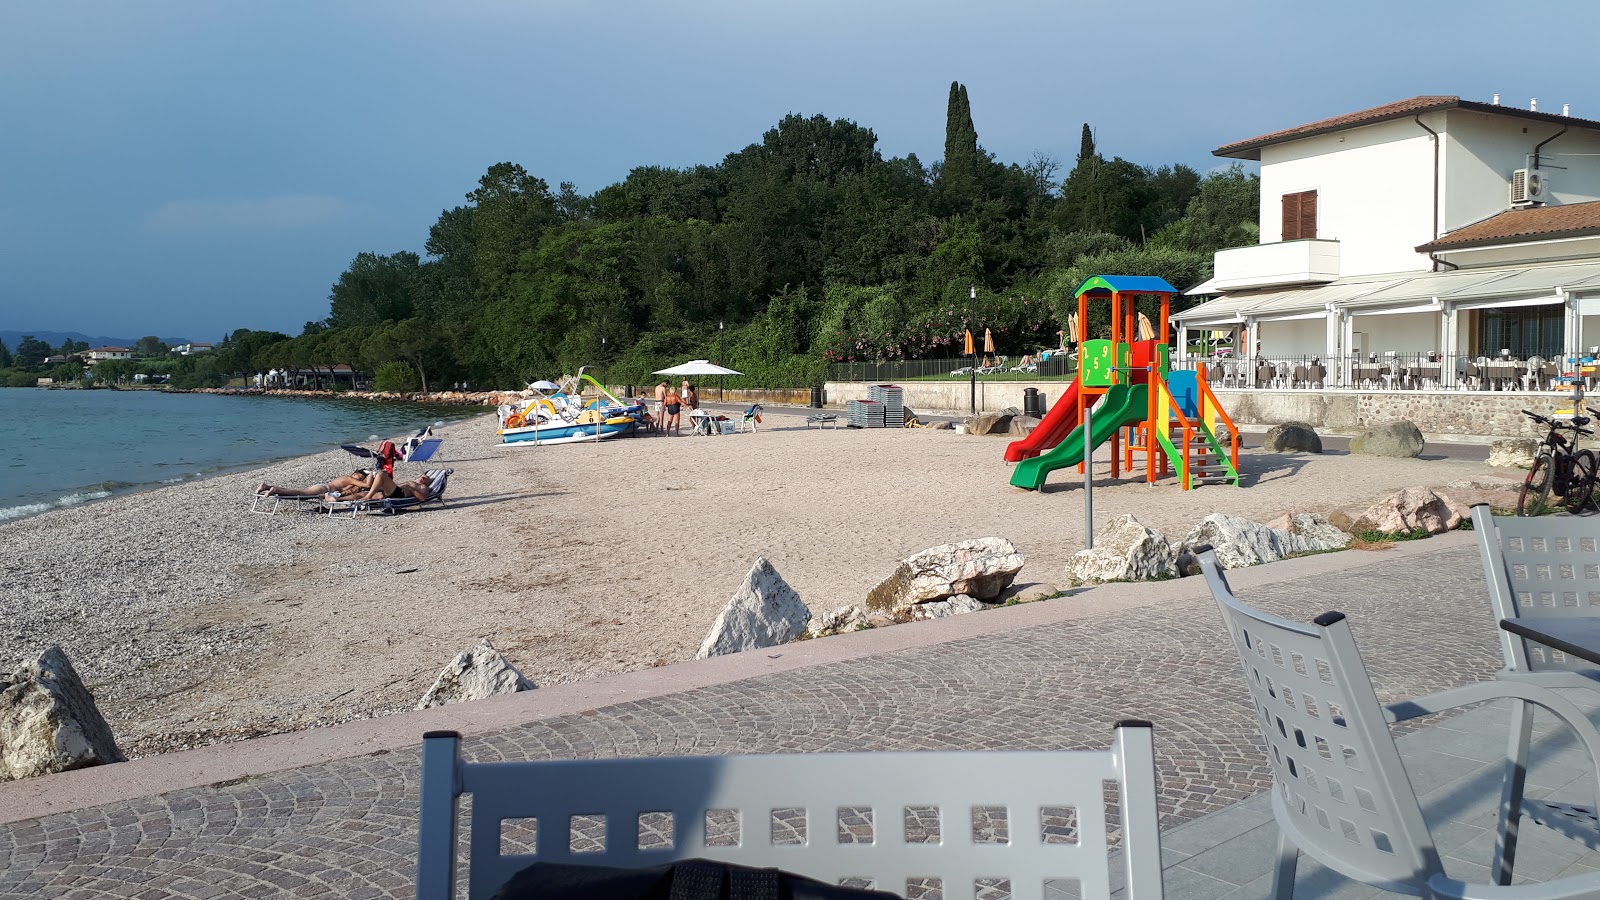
column 1183, row 345
column 1572, row 327
column 1330, row 358
column 1347, row 353
column 1450, row 325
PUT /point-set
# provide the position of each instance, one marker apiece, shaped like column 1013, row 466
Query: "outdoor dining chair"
column 1340, row 792
column 903, row 821
column 1539, row 566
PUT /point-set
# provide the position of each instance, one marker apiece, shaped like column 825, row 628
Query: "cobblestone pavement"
column 348, row 828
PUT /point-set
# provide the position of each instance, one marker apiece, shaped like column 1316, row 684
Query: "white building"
column 191, row 349
column 1434, row 227
column 100, row 353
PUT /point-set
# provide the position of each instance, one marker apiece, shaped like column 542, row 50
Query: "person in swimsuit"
column 670, row 408
column 359, row 480
column 661, row 405
column 383, row 487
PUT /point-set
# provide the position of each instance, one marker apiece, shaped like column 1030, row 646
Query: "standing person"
column 691, row 397
column 670, row 407
column 661, row 405
column 684, row 391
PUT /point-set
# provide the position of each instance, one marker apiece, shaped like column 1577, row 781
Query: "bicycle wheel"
column 1580, row 489
column 1535, row 497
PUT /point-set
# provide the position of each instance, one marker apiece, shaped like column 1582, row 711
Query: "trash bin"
column 816, row 398
column 1032, row 403
column 628, row 391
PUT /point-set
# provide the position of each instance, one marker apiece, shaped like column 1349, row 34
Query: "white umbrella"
column 698, row 367
column 544, row 386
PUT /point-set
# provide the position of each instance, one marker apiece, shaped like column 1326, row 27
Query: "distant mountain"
column 57, row 338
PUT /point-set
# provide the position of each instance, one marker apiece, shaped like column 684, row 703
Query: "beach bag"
column 689, row 879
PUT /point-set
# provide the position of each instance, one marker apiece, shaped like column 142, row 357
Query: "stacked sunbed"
column 864, row 413
column 892, row 397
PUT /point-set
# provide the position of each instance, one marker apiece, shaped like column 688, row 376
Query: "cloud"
column 290, row 212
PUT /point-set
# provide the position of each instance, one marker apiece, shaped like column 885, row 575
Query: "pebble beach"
column 194, row 621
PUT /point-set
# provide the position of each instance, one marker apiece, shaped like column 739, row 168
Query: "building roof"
column 1538, row 223
column 1251, row 149
column 111, row 350
column 1402, row 292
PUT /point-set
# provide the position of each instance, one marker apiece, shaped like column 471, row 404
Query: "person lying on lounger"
column 357, row 481
column 383, row 487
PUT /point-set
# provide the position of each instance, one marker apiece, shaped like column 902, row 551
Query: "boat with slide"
column 561, row 414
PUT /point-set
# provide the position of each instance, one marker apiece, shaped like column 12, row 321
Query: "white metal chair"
column 883, row 817
column 1539, row 566
column 1340, row 792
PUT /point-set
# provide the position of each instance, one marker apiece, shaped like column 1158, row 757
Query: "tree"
column 1224, row 212
column 31, row 352
column 959, row 174
column 1086, row 149
column 150, row 345
column 5, row 356
column 375, row 289
column 411, row 341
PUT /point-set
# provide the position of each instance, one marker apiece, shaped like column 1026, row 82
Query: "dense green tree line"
column 806, row 247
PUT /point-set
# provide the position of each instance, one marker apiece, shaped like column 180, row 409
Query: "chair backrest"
column 437, row 480
column 1539, row 566
column 424, row 451
column 880, row 817
column 1340, row 790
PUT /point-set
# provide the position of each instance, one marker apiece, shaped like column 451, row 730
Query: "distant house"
column 191, row 349
column 52, row 360
column 103, row 353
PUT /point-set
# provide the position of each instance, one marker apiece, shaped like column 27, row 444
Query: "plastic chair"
column 752, row 418
column 424, row 452
column 1340, row 792
column 883, row 817
column 1539, row 566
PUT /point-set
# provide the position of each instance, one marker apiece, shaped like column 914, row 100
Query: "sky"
column 188, row 167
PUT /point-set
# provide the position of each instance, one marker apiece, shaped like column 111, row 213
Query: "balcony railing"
column 1419, row 371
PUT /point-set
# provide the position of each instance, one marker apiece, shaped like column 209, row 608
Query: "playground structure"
column 1135, row 400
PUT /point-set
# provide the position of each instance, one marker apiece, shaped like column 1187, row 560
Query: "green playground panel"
column 1095, row 363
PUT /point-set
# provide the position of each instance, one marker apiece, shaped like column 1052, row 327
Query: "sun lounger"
column 388, row 506
column 823, row 420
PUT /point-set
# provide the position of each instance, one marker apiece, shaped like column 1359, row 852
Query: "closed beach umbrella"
column 1147, row 331
column 1072, row 328
column 966, row 347
column 988, row 341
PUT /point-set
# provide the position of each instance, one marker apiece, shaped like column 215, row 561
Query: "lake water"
column 66, row 447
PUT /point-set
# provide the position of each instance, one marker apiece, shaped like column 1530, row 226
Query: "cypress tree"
column 1085, row 145
column 958, row 176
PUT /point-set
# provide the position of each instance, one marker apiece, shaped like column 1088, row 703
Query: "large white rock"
column 1124, row 550
column 473, row 675
column 980, row 568
column 1513, row 453
column 843, row 619
column 764, row 612
column 1412, row 509
column 1240, row 542
column 48, row 720
column 939, row 609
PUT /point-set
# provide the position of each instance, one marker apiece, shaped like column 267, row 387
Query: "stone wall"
column 1437, row 413
column 953, row 397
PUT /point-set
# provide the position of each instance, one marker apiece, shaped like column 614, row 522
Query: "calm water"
column 69, row 447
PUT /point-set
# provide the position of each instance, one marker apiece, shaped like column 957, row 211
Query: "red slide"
column 1052, row 430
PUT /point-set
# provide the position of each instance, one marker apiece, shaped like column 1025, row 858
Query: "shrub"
column 396, row 377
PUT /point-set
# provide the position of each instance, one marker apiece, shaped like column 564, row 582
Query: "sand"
column 195, row 622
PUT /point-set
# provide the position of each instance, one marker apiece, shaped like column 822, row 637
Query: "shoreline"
column 194, row 622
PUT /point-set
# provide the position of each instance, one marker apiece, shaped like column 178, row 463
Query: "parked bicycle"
column 1560, row 467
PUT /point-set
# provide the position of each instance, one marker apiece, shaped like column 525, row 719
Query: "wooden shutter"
column 1300, row 216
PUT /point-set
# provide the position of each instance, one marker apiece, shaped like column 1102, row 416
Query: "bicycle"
column 1559, row 467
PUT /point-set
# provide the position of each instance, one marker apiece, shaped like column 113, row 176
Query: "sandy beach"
column 195, row 622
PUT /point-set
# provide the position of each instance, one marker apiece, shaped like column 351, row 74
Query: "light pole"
column 972, row 316
column 721, row 379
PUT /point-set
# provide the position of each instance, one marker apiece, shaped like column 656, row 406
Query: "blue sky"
column 186, row 168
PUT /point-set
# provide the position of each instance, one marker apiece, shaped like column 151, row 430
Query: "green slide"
column 1124, row 405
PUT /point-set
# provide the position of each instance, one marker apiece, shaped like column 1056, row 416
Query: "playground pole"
column 972, row 302
column 1088, row 480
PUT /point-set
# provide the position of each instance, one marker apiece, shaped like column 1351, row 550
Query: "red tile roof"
column 1517, row 226
column 1251, row 149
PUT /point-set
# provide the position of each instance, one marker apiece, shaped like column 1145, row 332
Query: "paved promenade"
column 332, row 812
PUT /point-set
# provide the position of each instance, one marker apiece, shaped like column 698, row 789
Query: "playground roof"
column 1124, row 284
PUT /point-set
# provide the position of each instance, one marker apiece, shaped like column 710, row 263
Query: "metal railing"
column 1418, row 371
column 1058, row 366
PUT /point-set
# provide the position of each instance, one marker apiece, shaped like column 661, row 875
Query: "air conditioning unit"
column 1529, row 186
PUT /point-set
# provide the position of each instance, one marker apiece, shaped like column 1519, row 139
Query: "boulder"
column 764, row 612
column 1029, row 593
column 1124, row 550
column 1292, row 437
column 841, row 620
column 981, row 568
column 1022, row 426
column 939, row 609
column 991, row 423
column 1401, row 439
column 1409, row 510
column 474, row 675
column 1240, row 542
column 1310, row 531
column 946, row 425
column 48, row 720
column 1513, row 453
